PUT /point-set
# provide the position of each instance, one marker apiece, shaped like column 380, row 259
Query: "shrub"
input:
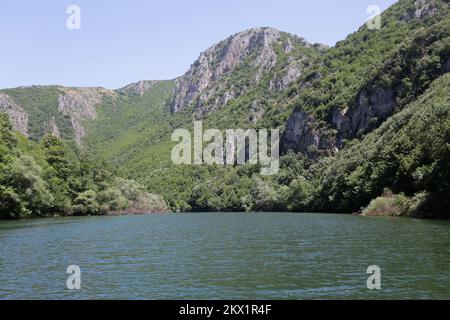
column 86, row 203
column 388, row 204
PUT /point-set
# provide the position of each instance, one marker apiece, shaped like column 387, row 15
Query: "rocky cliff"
column 369, row 109
column 230, row 68
column 422, row 9
column 404, row 74
column 17, row 116
column 61, row 111
column 79, row 104
column 303, row 134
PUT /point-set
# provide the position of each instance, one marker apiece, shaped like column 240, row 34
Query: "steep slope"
column 17, row 116
column 37, row 110
column 53, row 178
column 330, row 103
column 409, row 153
column 130, row 121
column 69, row 113
column 349, row 91
column 336, row 95
column 231, row 68
column 368, row 77
column 139, row 132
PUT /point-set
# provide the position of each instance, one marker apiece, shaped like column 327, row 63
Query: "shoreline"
column 130, row 213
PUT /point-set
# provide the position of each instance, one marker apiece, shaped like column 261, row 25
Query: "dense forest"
column 365, row 128
column 53, row 178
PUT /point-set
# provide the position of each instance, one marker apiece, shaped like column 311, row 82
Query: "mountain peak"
column 252, row 48
column 266, row 32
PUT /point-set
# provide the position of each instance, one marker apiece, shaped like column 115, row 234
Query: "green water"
column 225, row 256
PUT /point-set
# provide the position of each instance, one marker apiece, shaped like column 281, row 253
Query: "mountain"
column 233, row 67
column 54, row 109
column 408, row 153
column 349, row 118
column 369, row 76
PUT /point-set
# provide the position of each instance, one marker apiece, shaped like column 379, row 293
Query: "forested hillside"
column 54, row 178
column 364, row 122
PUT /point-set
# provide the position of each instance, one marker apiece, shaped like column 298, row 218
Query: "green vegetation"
column 395, row 205
column 406, row 54
column 404, row 50
column 403, row 55
column 53, row 178
column 41, row 105
column 407, row 152
column 387, row 205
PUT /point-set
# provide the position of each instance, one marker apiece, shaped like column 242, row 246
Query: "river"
column 225, row 256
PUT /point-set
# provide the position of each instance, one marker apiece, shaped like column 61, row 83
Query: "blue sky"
column 124, row 41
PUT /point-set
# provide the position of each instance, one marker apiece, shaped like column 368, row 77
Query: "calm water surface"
column 231, row 256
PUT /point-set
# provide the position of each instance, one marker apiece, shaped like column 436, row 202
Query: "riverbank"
column 390, row 212
column 126, row 212
column 399, row 205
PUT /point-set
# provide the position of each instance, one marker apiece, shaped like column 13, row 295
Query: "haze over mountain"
column 371, row 113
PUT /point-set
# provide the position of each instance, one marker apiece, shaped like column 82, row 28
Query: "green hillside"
column 55, row 178
column 129, row 119
column 409, row 154
column 366, row 119
column 41, row 104
column 406, row 54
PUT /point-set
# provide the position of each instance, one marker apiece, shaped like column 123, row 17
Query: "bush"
column 32, row 189
column 388, row 205
column 86, row 203
column 11, row 207
column 300, row 194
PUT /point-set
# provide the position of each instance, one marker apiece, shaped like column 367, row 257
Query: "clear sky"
column 123, row 41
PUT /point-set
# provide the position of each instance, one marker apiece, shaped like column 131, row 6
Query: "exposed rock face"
column 79, row 104
column 17, row 116
column 303, row 135
column 423, row 9
column 52, row 127
column 293, row 72
column 139, row 88
column 371, row 107
column 205, row 85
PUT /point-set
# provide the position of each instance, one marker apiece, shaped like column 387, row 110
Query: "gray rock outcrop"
column 79, row 104
column 139, row 87
column 302, row 134
column 205, row 85
column 17, row 116
column 422, row 10
column 370, row 108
